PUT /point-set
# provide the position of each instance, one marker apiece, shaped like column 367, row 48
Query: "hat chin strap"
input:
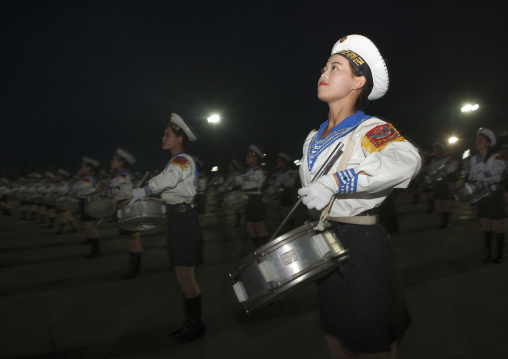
column 343, row 98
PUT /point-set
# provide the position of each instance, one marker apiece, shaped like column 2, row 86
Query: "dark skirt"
column 255, row 209
column 365, row 307
column 184, row 239
column 492, row 207
column 442, row 190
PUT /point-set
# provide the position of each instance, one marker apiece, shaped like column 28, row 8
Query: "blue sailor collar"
column 318, row 144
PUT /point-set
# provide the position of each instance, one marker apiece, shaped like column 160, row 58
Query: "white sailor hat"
column 284, row 156
column 366, row 58
column 63, row 172
column 257, row 150
column 439, row 144
column 122, row 152
column 490, row 135
column 35, row 175
column 90, row 161
column 49, row 174
column 4, row 180
column 180, row 124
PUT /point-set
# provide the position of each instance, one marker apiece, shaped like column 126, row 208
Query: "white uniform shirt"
column 85, row 186
column 488, row 173
column 201, row 184
column 286, row 178
column 62, row 188
column 121, row 185
column 177, row 182
column 252, row 180
column 379, row 151
column 443, row 166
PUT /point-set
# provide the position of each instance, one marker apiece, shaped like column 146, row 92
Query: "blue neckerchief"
column 479, row 157
column 129, row 173
column 318, row 144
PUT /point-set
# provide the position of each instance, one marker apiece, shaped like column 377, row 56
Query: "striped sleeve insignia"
column 181, row 161
column 380, row 136
column 123, row 175
column 87, row 180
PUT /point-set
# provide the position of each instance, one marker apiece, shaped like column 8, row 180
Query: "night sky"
column 83, row 78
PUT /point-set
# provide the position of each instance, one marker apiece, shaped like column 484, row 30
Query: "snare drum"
column 98, row 205
column 286, row 264
column 470, row 192
column 271, row 191
column 142, row 215
column 235, row 200
column 67, row 203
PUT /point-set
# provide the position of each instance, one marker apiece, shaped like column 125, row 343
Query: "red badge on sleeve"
column 181, row 161
column 380, row 136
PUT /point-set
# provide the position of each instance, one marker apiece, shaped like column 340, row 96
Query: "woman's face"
column 170, row 140
column 250, row 159
column 116, row 164
column 438, row 151
column 482, row 142
column 84, row 170
column 337, row 81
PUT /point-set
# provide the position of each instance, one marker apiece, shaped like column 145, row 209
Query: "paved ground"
column 54, row 303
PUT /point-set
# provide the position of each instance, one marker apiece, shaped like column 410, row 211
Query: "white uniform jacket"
column 121, row 185
column 252, row 180
column 286, row 178
column 443, row 166
column 177, row 182
column 379, row 151
column 489, row 173
column 85, row 186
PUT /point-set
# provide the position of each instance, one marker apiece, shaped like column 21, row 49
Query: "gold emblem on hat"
column 343, row 39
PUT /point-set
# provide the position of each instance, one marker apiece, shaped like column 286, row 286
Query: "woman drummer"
column 285, row 179
column 487, row 168
column 121, row 190
column 176, row 184
column 63, row 188
column 362, row 308
column 87, row 184
column 252, row 182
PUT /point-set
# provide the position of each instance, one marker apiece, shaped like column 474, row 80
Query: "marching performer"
column 23, row 197
column 47, row 205
column 285, row 179
column 34, row 190
column 5, row 203
column 361, row 307
column 121, row 188
column 86, row 185
column 234, row 170
column 63, row 188
column 442, row 167
column 487, row 169
column 176, row 185
column 252, row 182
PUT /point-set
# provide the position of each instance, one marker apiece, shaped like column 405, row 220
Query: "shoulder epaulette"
column 380, row 136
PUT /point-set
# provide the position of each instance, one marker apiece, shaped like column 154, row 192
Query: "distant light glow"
column 297, row 162
column 214, row 119
column 466, row 154
column 214, row 169
column 453, row 139
column 469, row 108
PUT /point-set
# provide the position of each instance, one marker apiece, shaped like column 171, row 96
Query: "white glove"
column 319, row 194
column 239, row 180
column 137, row 193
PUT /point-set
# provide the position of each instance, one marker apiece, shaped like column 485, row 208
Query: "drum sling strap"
column 363, row 220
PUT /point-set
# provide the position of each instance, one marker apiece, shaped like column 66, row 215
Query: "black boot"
column 500, row 247
column 177, row 332
column 446, row 219
column 96, row 250
column 488, row 241
column 194, row 327
column 51, row 222
column 42, row 218
column 134, row 263
column 431, row 206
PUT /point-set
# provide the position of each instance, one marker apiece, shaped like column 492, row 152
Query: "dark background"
column 83, row 78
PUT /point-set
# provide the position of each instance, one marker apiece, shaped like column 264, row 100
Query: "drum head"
column 142, row 224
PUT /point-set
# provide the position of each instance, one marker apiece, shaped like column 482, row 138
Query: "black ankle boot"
column 499, row 248
column 96, row 250
column 446, row 220
column 194, row 327
column 488, row 240
column 134, row 263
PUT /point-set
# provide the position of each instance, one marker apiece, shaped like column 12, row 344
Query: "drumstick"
column 337, row 152
column 142, row 180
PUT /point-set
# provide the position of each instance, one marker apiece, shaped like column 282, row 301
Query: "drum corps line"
column 349, row 165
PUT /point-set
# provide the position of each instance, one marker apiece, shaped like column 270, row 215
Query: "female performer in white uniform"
column 362, row 308
column 487, row 168
column 121, row 188
column 176, row 185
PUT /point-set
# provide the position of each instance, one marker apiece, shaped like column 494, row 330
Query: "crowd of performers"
column 362, row 309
